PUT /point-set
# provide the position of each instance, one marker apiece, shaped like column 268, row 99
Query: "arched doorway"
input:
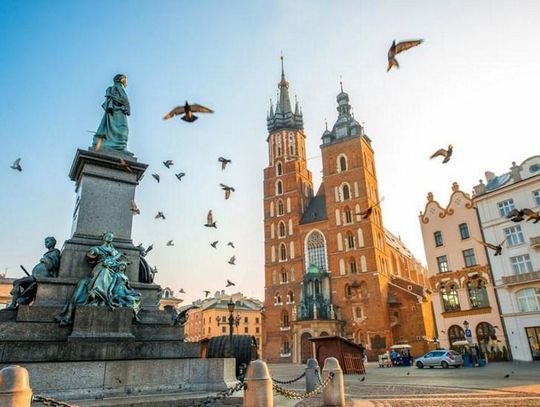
column 305, row 347
column 484, row 332
column 455, row 333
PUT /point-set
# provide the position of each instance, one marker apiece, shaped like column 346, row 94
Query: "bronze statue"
column 107, row 285
column 25, row 289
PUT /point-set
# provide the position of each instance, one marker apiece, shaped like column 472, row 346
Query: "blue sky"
column 473, row 83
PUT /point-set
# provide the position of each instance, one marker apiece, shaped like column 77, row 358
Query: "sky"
column 473, row 83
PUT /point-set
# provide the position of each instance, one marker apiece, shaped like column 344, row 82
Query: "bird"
column 125, row 165
column 134, row 209
column 210, row 220
column 170, row 243
column 443, row 153
column 398, row 48
column 232, row 260
column 206, row 293
column 363, row 379
column 367, row 213
column 229, row 283
column 224, row 161
column 180, row 175
column 408, row 373
column 168, row 163
column 506, row 376
column 227, row 190
column 17, row 165
column 160, row 215
column 231, row 244
column 181, row 291
column 496, row 248
column 531, row 215
column 156, row 177
column 214, row 244
column 187, row 111
column 443, row 331
column 516, row 215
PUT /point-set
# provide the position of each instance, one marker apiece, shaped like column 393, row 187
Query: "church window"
column 285, row 348
column 342, row 163
column 279, row 169
column 279, row 187
column 284, row 278
column 290, row 297
column 352, row 265
column 281, row 229
column 348, row 215
column 278, row 145
column 277, row 299
column 282, row 252
column 350, row 241
column 291, row 144
column 345, row 192
column 280, row 210
column 348, row 291
column 316, row 250
column 284, row 319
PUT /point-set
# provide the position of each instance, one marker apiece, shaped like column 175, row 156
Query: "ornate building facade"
column 328, row 271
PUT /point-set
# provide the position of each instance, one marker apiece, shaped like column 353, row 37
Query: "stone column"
column 15, row 388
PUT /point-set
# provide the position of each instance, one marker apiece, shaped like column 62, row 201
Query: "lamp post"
column 232, row 322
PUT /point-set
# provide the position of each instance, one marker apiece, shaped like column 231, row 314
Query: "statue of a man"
column 113, row 131
column 24, row 289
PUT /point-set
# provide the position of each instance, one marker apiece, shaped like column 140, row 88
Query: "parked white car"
column 440, row 357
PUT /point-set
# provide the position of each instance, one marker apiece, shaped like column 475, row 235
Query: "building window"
column 521, row 264
column 256, row 320
column 468, row 256
column 257, row 330
column 505, row 207
column 348, row 291
column 279, row 169
column 278, row 145
column 280, row 210
column 316, row 250
column 527, row 299
column 279, row 187
column 277, row 299
column 284, row 319
column 224, row 329
column 442, row 261
column 352, row 266
column 342, row 163
column 450, row 299
column 345, row 192
column 536, row 195
column 284, row 278
column 358, row 313
column 290, row 297
column 246, row 330
column 456, row 333
column 282, row 252
column 291, row 144
column 477, row 294
column 348, row 215
column 464, row 231
column 514, row 235
column 438, row 238
column 281, row 229
column 285, row 348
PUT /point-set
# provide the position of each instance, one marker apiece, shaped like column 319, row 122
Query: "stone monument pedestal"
column 104, row 352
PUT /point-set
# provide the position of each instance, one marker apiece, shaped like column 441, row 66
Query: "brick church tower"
column 327, row 270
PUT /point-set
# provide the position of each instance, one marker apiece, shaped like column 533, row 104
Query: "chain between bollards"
column 49, row 401
column 299, row 396
column 222, row 394
column 289, row 381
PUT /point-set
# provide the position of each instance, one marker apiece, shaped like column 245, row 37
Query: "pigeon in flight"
column 231, row 244
column 17, row 165
column 181, row 291
column 170, row 243
column 516, row 215
column 180, row 175
column 224, row 161
column 206, row 293
column 229, row 283
column 125, row 165
column 160, row 215
column 496, row 247
column 187, row 111
column 156, row 177
column 232, row 260
column 531, row 215
column 397, row 48
column 447, row 154
column 134, row 209
column 214, row 244
column 227, row 190
column 168, row 163
column 367, row 213
column 210, row 220
column 363, row 379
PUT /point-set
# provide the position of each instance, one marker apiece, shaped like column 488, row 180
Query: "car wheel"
column 419, row 365
column 431, row 367
column 444, row 364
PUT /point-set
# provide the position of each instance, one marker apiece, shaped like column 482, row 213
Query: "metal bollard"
column 15, row 388
column 334, row 392
column 258, row 391
column 312, row 375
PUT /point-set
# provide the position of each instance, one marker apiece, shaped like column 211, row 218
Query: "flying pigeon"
column 496, row 248
column 168, row 163
column 17, row 165
column 134, row 209
column 160, row 215
column 180, row 175
column 181, row 291
column 206, row 293
column 125, row 165
column 443, row 153
column 363, row 379
column 397, row 48
column 170, row 243
column 224, row 162
column 210, row 220
column 531, row 215
column 232, row 260
column 187, row 111
column 156, row 177
column 231, row 244
column 516, row 215
column 214, row 244
column 227, row 190
column 229, row 283
column 367, row 213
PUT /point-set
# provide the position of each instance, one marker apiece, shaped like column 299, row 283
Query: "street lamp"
column 232, row 322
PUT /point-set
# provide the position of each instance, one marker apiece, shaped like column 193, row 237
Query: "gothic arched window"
column 279, row 169
column 284, row 278
column 279, row 187
column 281, row 229
column 348, row 215
column 282, row 252
column 350, row 241
column 342, row 163
column 348, row 291
column 284, row 319
column 345, row 192
column 277, row 298
column 316, row 250
column 290, row 297
column 352, row 265
column 280, row 210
